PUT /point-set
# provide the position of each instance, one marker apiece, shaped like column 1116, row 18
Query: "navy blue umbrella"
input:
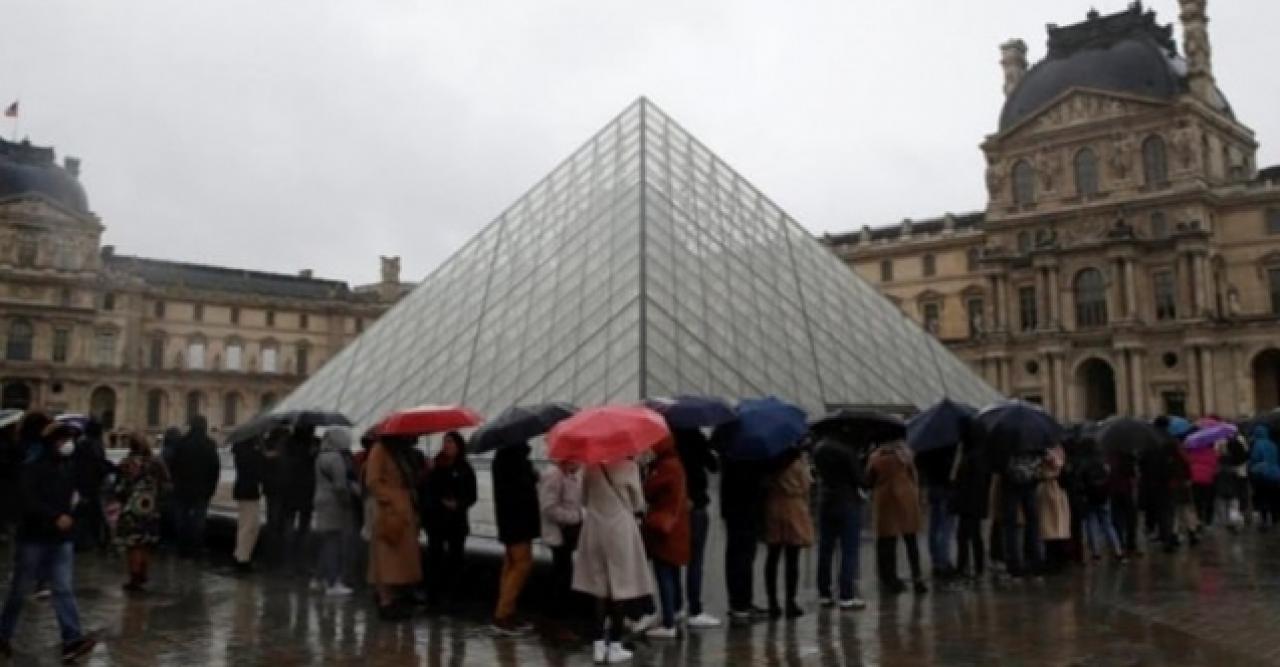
column 765, row 428
column 1014, row 427
column 942, row 425
column 518, row 424
column 688, row 411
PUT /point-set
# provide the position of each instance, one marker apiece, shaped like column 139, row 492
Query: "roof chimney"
column 72, row 165
column 306, row 273
column 1195, row 42
column 108, row 251
column 1013, row 60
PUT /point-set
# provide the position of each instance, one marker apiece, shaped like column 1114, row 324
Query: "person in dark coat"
column 970, row 503
column 1153, row 482
column 169, row 441
column 10, row 465
column 250, row 465
column 298, row 482
column 743, row 490
column 450, row 494
column 44, row 538
column 195, row 472
column 515, row 499
column 1123, row 484
column 92, row 469
column 840, row 478
column 698, row 460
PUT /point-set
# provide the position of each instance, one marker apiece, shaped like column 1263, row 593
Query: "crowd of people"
column 630, row 536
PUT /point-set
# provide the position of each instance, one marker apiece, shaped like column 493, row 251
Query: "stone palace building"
column 1128, row 260
column 146, row 343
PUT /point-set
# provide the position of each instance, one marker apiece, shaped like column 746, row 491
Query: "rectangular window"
column 197, row 312
column 61, row 344
column 234, row 352
column 104, row 346
column 976, row 317
column 303, row 355
column 303, row 321
column 230, row 405
column 271, row 318
column 109, row 301
column 158, row 309
column 932, row 316
column 195, row 355
column 156, row 357
column 235, row 315
column 886, row 271
column 1164, row 289
column 1273, row 221
column 155, row 402
column 269, row 360
column 1273, row 276
column 1175, row 403
column 1027, row 308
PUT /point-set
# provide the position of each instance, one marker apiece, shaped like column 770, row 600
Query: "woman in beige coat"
column 895, row 500
column 788, row 528
column 1054, row 508
column 394, row 557
column 611, row 565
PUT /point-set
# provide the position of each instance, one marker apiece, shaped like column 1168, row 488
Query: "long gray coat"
column 611, row 561
column 334, row 508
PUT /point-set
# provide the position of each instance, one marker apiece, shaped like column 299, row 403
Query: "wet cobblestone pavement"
column 1215, row 606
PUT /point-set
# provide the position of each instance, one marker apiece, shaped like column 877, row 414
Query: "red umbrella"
column 427, row 419
column 607, row 434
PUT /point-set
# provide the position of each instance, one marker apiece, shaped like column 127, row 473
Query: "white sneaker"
column 617, row 654
column 827, row 602
column 599, row 652
column 854, row 603
column 338, row 590
column 316, row 585
column 642, row 624
column 661, row 633
column 703, row 621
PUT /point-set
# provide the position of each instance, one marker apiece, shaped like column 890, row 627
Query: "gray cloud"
column 321, row 133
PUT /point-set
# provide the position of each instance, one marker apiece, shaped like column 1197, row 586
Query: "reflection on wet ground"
column 1214, row 606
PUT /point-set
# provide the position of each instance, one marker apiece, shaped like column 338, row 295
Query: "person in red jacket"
column 666, row 531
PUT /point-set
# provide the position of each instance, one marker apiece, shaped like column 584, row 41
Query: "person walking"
column 895, row 500
column 395, row 561
column 1094, row 478
column 666, row 532
column 698, row 460
column 334, row 510
column 1231, row 484
column 788, row 528
column 141, row 481
column 515, row 499
column 971, row 503
column 11, row 458
column 840, row 478
column 742, row 493
column 935, row 468
column 450, row 494
column 250, row 465
column 196, row 468
column 44, row 539
column 611, row 563
column 1264, row 475
column 560, row 500
column 170, row 442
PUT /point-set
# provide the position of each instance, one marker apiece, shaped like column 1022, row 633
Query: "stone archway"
column 16, row 395
column 102, row 407
column 1096, row 380
column 1266, row 380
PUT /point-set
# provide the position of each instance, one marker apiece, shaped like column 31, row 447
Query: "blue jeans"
column 334, row 557
column 839, row 524
column 942, row 525
column 1098, row 526
column 190, row 517
column 30, row 560
column 1022, row 497
column 668, row 578
column 699, row 524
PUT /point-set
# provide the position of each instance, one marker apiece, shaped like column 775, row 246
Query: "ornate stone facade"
column 1128, row 260
column 144, row 343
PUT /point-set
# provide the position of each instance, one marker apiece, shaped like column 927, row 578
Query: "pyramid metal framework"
column 642, row 266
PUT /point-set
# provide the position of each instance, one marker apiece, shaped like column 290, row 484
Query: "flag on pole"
column 11, row 111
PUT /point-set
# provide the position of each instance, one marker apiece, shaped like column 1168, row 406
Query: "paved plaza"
column 1215, row 606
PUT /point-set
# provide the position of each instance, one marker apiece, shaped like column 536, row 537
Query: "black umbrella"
column 688, row 411
column 860, row 427
column 262, row 424
column 942, row 425
column 1018, row 426
column 1126, row 435
column 518, row 424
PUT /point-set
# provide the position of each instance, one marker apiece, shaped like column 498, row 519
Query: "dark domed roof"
column 28, row 169
column 1127, row 52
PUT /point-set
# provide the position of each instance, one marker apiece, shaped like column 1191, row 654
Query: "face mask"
column 67, row 447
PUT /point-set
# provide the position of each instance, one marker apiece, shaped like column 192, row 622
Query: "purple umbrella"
column 1207, row 436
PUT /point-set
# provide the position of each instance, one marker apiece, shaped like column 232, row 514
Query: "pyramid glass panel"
column 643, row 265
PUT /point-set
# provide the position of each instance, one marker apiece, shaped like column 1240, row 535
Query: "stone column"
column 1130, row 290
column 1047, row 384
column 1141, row 399
column 1115, row 287
column 1060, row 385
column 1195, row 399
column 997, row 314
column 1055, row 298
column 1042, row 299
column 1203, row 278
column 1121, row 367
column 1197, row 305
column 1207, row 380
column 1004, row 302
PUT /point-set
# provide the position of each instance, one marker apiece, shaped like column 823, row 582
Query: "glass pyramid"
column 641, row 266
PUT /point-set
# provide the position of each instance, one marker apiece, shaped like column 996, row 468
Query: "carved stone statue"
column 1049, row 167
column 996, row 174
column 391, row 269
column 1121, row 156
column 1195, row 27
column 1186, row 146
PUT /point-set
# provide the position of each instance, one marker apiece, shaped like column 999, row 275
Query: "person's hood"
column 199, row 425
column 336, row 439
column 1261, row 432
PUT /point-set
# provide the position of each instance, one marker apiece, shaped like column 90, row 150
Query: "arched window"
column 929, row 265
column 1091, row 299
column 1086, row 164
column 230, row 408
column 1024, row 183
column 155, row 408
column 195, row 400
column 234, row 359
column 18, row 347
column 1155, row 161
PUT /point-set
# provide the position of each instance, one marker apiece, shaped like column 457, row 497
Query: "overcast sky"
column 321, row 133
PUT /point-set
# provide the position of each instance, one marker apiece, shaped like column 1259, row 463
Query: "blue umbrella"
column 765, row 428
column 1179, row 427
column 1018, row 426
column 942, row 425
column 688, row 411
